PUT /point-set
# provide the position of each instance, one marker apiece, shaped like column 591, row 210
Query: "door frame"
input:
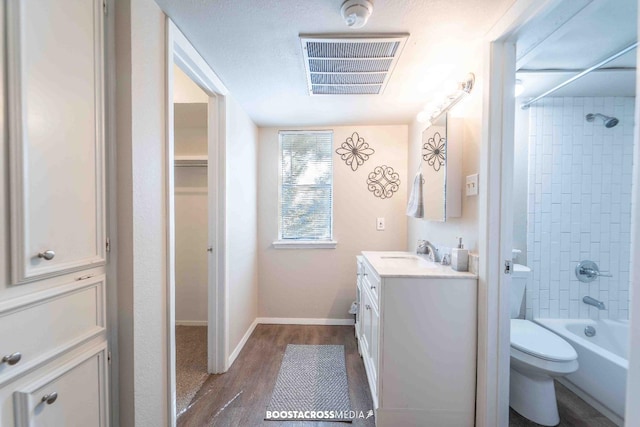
column 496, row 211
column 496, row 214
column 182, row 53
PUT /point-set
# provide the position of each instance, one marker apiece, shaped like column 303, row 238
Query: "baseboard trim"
column 304, row 321
column 191, row 323
column 240, row 346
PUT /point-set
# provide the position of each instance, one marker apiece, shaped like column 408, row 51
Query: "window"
column 306, row 189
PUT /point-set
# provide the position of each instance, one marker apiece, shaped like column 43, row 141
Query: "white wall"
column 185, row 90
column 580, row 176
column 191, row 213
column 242, row 221
column 320, row 283
column 141, row 248
column 443, row 234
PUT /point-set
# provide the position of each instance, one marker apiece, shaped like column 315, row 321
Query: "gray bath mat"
column 311, row 385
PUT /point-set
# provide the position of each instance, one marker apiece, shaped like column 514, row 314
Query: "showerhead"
column 609, row 122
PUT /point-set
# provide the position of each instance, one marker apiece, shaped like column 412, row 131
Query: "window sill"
column 305, row 244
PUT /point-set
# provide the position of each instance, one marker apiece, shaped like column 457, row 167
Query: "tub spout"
column 594, row 302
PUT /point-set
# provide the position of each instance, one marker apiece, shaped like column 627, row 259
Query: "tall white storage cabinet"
column 53, row 342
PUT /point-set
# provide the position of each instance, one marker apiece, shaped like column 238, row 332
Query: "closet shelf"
column 191, row 161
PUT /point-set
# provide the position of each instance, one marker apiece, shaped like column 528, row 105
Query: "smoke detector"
column 356, row 13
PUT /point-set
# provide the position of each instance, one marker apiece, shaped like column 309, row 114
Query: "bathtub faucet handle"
column 588, row 271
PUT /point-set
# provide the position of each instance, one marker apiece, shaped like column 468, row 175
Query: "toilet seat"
column 534, row 340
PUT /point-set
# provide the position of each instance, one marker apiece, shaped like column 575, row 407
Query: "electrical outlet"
column 472, row 185
column 380, row 224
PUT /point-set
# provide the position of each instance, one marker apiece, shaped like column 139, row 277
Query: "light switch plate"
column 380, row 224
column 472, row 185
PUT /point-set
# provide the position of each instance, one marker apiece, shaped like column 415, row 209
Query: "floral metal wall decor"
column 355, row 151
column 435, row 151
column 383, row 182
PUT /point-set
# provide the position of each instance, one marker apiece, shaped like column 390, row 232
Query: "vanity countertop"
column 408, row 264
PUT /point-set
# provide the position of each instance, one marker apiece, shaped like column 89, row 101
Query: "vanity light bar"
column 449, row 101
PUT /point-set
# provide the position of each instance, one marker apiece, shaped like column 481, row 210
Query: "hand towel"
column 415, row 208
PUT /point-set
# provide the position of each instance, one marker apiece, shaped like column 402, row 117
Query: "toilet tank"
column 519, row 279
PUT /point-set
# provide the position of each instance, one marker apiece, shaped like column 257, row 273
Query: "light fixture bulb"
column 519, row 88
column 356, row 13
column 422, row 117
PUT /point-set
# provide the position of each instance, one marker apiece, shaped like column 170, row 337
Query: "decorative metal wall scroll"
column 383, row 182
column 435, row 151
column 355, row 151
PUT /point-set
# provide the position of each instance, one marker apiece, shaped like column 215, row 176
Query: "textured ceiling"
column 600, row 29
column 254, row 48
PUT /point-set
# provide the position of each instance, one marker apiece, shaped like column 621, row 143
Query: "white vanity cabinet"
column 359, row 302
column 418, row 341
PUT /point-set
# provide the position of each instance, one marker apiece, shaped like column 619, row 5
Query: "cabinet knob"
column 47, row 255
column 12, row 359
column 50, row 398
column 367, row 306
column 373, row 287
column 210, row 249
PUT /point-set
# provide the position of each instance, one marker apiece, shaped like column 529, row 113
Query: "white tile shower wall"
column 579, row 206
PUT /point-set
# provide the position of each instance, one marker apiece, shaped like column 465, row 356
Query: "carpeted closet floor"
column 191, row 364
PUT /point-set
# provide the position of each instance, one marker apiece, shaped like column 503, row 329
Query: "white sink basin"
column 407, row 261
column 399, row 257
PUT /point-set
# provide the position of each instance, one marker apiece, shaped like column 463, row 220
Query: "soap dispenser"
column 460, row 257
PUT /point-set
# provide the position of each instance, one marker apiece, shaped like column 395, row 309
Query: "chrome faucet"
column 594, row 302
column 425, row 247
column 432, row 252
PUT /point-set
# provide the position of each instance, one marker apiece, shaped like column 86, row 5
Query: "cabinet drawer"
column 43, row 324
column 73, row 395
column 372, row 282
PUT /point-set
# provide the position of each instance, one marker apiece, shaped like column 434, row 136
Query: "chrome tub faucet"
column 594, row 302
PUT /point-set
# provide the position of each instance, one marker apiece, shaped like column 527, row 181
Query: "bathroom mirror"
column 441, row 171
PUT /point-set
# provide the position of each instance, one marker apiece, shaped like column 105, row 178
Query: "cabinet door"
column 366, row 323
column 369, row 341
column 374, row 342
column 55, row 71
column 71, row 396
column 358, row 325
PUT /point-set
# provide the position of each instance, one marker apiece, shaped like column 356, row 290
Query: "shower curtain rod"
column 629, row 48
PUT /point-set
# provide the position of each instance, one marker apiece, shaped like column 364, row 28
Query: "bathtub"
column 601, row 378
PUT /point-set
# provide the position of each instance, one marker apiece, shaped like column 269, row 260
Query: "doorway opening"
column 565, row 197
column 572, row 214
column 195, row 209
column 191, row 225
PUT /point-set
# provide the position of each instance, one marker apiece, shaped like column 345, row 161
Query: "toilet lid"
column 533, row 339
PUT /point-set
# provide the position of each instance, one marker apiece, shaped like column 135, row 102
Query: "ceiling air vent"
column 350, row 65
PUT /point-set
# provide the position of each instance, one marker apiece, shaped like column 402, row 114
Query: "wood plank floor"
column 574, row 412
column 240, row 396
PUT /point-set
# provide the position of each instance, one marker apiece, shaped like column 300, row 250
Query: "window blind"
column 306, row 179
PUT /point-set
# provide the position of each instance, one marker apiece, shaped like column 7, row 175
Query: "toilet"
column 537, row 357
